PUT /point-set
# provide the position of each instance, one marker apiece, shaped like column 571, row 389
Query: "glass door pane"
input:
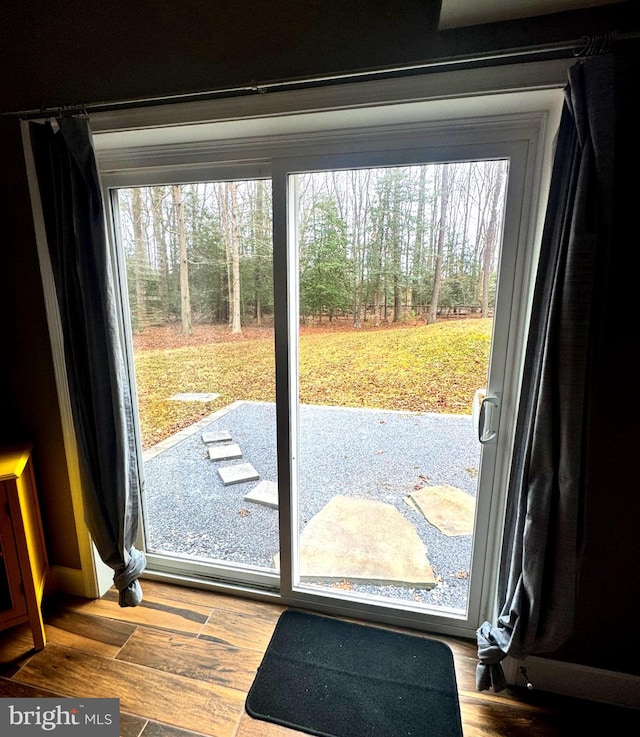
column 198, row 261
column 397, row 278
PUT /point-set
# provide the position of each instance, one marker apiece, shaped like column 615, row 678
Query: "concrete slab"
column 195, row 397
column 266, row 492
column 225, row 452
column 238, row 474
column 449, row 509
column 216, row 436
column 363, row 541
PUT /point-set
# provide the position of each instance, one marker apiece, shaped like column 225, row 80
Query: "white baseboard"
column 578, row 681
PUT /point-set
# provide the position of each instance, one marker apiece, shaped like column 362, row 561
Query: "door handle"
column 487, row 421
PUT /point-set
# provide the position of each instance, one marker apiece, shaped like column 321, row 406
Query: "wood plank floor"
column 182, row 663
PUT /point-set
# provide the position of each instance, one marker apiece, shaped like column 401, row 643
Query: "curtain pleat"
column 99, row 388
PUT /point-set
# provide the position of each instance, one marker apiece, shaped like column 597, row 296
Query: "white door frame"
column 507, row 356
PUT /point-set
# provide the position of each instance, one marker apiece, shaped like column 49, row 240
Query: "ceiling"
column 458, row 13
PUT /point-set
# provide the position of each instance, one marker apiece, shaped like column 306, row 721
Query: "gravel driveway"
column 372, row 454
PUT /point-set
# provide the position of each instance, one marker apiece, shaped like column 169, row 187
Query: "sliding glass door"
column 396, row 271
column 199, row 275
column 321, row 347
column 395, row 333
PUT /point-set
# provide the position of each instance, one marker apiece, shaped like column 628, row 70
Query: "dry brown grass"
column 427, row 368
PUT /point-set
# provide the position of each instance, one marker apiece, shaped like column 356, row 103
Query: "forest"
column 386, row 244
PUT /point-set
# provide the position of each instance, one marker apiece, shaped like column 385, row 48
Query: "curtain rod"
column 582, row 47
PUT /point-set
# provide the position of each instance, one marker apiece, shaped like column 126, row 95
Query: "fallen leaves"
column 423, row 481
column 344, row 585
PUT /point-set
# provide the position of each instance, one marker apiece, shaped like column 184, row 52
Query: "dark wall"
column 71, row 52
column 79, row 51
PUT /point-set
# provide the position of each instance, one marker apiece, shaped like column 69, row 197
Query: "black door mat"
column 328, row 677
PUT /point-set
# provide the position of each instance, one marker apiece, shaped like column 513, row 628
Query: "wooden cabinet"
column 23, row 557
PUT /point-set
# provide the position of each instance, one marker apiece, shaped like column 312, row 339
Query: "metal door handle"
column 486, row 423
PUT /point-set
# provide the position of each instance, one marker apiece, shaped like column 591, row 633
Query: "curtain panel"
column 99, row 387
column 544, row 524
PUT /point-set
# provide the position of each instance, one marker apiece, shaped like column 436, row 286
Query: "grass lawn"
column 427, row 368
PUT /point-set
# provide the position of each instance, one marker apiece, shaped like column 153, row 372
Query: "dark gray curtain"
column 97, row 375
column 541, row 553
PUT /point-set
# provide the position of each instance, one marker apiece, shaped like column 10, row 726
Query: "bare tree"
column 360, row 182
column 442, row 227
column 159, row 235
column 415, row 238
column 262, row 242
column 140, row 259
column 185, row 298
column 229, row 216
column 491, row 233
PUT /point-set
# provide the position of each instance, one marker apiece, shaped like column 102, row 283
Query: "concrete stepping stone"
column 266, row 492
column 238, row 474
column 195, row 397
column 363, row 541
column 224, row 452
column 449, row 509
column 216, row 436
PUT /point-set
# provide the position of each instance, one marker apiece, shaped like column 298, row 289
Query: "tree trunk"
column 359, row 182
column 442, row 223
column 398, row 313
column 140, row 263
column 234, row 247
column 185, row 298
column 261, row 237
column 491, row 238
column 418, row 252
column 157, row 197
